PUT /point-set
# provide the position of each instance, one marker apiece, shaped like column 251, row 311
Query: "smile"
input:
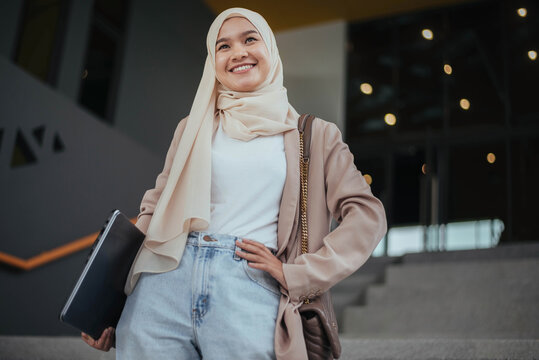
column 242, row 69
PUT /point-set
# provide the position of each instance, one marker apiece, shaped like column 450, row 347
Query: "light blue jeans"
column 212, row 306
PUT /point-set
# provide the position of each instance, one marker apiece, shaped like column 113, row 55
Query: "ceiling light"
column 427, row 34
column 390, row 119
column 366, row 88
column 448, row 69
column 491, row 158
column 532, row 54
column 522, row 12
column 464, row 104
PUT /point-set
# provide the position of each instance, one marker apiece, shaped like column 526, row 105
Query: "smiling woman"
column 241, row 56
column 219, row 275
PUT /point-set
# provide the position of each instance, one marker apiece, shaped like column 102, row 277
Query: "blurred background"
column 435, row 99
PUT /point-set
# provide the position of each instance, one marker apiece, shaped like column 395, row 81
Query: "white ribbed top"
column 246, row 187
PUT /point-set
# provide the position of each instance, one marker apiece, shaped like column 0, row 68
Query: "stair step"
column 50, row 348
column 68, row 348
column 494, row 319
column 502, row 252
column 353, row 282
column 434, row 349
column 520, row 289
column 376, row 265
column 441, row 274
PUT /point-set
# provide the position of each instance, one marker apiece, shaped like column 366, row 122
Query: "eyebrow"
column 242, row 34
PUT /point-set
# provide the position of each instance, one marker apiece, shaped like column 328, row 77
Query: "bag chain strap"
column 304, row 171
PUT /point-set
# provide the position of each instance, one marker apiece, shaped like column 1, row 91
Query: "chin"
column 243, row 88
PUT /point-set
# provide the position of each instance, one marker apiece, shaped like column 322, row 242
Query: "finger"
column 257, row 244
column 112, row 338
column 91, row 340
column 253, row 247
column 85, row 338
column 102, row 339
column 249, row 256
column 108, row 342
column 260, row 266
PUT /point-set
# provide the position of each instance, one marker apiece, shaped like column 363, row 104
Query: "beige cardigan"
column 336, row 188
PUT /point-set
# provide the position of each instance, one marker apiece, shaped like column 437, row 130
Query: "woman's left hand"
column 260, row 257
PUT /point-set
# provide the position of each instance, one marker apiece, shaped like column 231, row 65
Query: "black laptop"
column 98, row 298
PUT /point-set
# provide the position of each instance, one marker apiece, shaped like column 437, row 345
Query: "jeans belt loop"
column 236, row 256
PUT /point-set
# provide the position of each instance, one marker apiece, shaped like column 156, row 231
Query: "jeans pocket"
column 262, row 278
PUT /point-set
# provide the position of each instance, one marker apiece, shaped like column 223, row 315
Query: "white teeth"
column 244, row 67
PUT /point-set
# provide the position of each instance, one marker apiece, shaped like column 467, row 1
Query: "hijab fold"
column 184, row 204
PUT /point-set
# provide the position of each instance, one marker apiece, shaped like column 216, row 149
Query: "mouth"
column 242, row 68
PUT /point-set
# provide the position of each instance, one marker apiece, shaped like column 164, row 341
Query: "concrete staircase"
column 72, row 348
column 480, row 304
column 458, row 305
column 352, row 291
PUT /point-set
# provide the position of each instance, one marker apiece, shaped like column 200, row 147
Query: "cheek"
column 220, row 67
column 264, row 59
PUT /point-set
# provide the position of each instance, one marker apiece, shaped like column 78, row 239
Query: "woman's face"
column 242, row 60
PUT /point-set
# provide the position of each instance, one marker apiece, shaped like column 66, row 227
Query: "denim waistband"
column 201, row 238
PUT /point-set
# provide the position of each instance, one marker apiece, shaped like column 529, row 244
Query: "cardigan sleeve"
column 362, row 225
column 151, row 196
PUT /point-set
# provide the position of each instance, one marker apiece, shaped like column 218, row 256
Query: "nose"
column 239, row 52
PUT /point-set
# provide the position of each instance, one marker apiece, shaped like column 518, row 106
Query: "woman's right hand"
column 104, row 343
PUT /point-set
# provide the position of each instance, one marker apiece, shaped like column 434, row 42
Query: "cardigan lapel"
column 290, row 198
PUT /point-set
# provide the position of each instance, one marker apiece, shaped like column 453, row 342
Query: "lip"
column 243, row 71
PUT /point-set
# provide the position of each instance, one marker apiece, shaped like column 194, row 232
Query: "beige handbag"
column 317, row 315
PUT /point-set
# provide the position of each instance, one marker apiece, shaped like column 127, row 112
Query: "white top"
column 246, row 186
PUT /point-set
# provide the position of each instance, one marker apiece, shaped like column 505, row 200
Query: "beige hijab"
column 184, row 204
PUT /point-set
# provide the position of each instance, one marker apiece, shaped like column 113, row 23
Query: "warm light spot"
column 427, row 34
column 464, row 104
column 424, row 168
column 448, row 69
column 390, row 119
column 491, row 158
column 85, row 74
column 366, row 88
column 368, row 178
column 532, row 54
column 522, row 12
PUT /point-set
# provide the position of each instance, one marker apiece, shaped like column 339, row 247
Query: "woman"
column 232, row 286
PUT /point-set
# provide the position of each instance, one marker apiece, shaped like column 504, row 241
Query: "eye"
column 220, row 47
column 250, row 38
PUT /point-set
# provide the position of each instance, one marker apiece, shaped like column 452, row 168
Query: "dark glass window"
column 371, row 62
column 103, row 58
column 461, row 90
column 525, row 189
column 523, row 72
column 477, row 182
column 420, row 80
column 407, row 188
column 40, row 38
column 473, row 51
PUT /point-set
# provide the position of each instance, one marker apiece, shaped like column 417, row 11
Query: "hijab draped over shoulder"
column 184, row 204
